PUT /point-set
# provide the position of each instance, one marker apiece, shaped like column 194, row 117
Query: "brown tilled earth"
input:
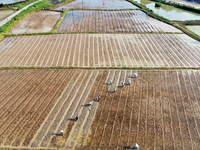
column 158, row 110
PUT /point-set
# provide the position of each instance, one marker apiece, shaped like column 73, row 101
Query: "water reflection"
column 10, row 1
column 170, row 12
column 195, row 29
column 99, row 4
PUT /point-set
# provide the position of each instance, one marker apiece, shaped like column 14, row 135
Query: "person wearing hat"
column 135, row 74
column 61, row 132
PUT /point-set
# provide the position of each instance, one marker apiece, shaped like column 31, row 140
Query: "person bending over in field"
column 135, row 75
column 76, row 118
column 61, row 132
column 123, row 85
column 98, row 98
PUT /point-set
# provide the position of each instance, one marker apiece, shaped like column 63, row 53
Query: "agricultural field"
column 158, row 110
column 112, row 21
column 97, row 4
column 42, row 21
column 5, row 13
column 101, row 50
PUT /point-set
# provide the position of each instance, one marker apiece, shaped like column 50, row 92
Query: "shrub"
column 1, row 5
column 157, row 5
column 1, row 29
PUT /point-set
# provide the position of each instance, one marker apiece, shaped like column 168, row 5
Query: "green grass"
column 59, row 21
column 18, row 5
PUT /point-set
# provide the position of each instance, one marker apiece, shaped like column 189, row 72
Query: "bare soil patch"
column 42, row 21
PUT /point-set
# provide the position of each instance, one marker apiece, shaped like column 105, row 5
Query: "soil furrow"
column 168, row 132
column 45, row 56
column 181, row 112
column 32, row 126
column 175, row 118
column 17, row 50
column 23, row 55
column 57, row 51
column 60, row 114
column 52, row 51
column 72, row 51
column 30, row 55
column 22, row 110
column 19, row 110
column 85, row 136
column 100, row 118
column 115, row 116
column 54, row 112
column 36, row 56
column 79, row 125
column 189, row 109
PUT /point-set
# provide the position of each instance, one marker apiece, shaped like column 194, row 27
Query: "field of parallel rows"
column 112, row 21
column 159, row 110
column 97, row 50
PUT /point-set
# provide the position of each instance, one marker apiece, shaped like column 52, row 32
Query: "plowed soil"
column 158, row 110
column 101, row 50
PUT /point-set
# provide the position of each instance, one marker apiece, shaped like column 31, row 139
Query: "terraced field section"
column 112, row 21
column 42, row 21
column 97, row 4
column 30, row 97
column 101, row 50
column 158, row 110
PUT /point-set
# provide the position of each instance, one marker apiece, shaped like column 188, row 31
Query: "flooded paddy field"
column 10, row 1
column 101, row 50
column 112, row 21
column 195, row 29
column 5, row 13
column 42, row 21
column 170, row 12
column 158, row 110
column 98, row 4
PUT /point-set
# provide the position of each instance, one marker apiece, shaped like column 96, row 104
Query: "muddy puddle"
column 195, row 29
column 98, row 4
column 170, row 12
column 5, row 13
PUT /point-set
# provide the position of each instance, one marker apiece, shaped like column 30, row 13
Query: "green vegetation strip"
column 127, row 68
column 54, row 32
column 59, row 21
column 17, row 5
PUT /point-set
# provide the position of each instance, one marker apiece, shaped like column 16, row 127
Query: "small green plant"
column 157, row 5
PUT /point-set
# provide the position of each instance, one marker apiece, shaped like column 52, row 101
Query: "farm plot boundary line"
column 100, row 68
